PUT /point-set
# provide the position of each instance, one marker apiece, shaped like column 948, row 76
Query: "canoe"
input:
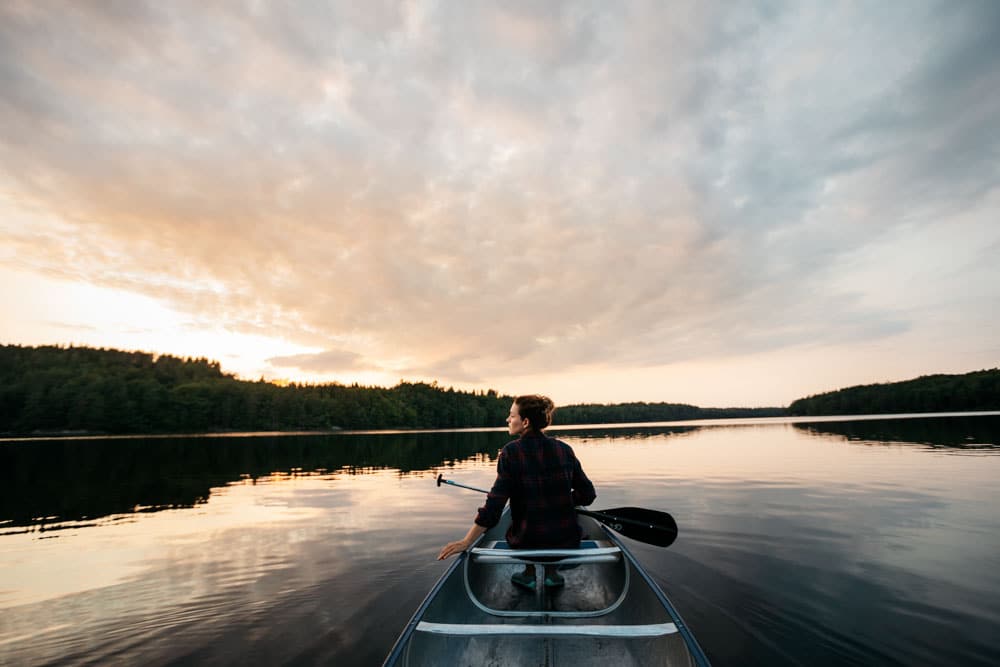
column 609, row 612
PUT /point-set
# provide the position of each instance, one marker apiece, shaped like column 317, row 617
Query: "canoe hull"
column 609, row 612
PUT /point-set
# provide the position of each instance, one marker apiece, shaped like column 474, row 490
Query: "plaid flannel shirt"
column 544, row 481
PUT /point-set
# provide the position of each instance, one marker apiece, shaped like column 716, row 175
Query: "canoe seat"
column 589, row 552
column 512, row 629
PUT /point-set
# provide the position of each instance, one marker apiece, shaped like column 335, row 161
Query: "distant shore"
column 555, row 428
column 53, row 391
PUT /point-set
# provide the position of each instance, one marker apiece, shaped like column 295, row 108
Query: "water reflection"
column 980, row 433
column 266, row 573
column 615, row 432
column 796, row 545
column 45, row 483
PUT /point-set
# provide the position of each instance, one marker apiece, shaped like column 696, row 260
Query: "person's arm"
column 461, row 545
column 488, row 515
column 583, row 488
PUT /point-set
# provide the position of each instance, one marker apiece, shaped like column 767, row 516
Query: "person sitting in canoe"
column 543, row 480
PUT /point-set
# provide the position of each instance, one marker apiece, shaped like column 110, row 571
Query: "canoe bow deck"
column 608, row 612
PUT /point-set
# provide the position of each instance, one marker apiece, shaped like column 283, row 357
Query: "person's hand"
column 453, row 548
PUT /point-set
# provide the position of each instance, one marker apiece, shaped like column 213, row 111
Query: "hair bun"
column 537, row 409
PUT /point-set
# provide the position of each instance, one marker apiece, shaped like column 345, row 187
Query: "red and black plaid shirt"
column 544, row 481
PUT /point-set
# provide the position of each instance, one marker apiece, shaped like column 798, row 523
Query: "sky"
column 724, row 204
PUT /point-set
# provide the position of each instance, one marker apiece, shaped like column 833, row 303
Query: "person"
column 543, row 480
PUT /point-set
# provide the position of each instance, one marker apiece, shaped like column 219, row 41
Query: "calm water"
column 833, row 542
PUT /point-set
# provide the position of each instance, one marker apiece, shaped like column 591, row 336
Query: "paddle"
column 643, row 525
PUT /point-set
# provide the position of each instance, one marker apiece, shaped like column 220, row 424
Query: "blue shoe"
column 554, row 580
column 522, row 580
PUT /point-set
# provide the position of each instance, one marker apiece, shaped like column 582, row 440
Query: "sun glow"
column 51, row 311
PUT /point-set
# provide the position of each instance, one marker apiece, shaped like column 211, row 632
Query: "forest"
column 53, row 389
column 978, row 390
column 80, row 390
column 623, row 413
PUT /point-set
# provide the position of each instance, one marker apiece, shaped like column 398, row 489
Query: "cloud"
column 461, row 191
column 328, row 361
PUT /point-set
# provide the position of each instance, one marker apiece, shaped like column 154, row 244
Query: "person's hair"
column 536, row 409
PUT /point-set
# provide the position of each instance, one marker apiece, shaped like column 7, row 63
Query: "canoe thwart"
column 545, row 553
column 500, row 560
column 510, row 629
column 562, row 556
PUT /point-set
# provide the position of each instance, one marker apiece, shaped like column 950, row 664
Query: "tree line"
column 978, row 390
column 55, row 389
column 624, row 413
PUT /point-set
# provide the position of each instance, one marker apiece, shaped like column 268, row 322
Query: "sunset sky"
column 713, row 203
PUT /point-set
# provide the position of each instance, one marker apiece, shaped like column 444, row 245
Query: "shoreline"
column 706, row 422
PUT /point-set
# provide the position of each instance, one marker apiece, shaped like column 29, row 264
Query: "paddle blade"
column 638, row 523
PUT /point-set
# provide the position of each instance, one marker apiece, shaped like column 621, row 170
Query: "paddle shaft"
column 597, row 515
column 442, row 480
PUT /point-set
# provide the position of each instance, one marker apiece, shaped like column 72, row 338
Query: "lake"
column 802, row 542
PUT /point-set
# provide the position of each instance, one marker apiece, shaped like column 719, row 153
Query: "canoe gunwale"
column 697, row 654
column 403, row 641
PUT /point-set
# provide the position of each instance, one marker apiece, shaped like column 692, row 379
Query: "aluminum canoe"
column 609, row 612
